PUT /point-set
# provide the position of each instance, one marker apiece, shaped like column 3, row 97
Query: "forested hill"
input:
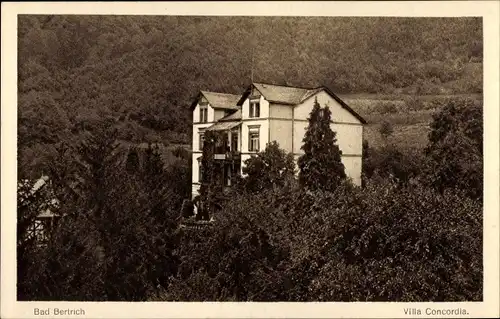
column 143, row 71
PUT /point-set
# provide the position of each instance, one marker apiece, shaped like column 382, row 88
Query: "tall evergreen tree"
column 320, row 166
column 211, row 183
column 132, row 163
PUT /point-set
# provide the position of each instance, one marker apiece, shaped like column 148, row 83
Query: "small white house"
column 265, row 113
column 46, row 218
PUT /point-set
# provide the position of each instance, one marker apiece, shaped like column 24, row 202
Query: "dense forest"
column 141, row 72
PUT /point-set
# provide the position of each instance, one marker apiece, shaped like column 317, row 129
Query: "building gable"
column 340, row 113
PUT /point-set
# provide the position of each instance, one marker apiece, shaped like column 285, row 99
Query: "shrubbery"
column 395, row 239
column 411, row 233
column 115, row 237
column 272, row 168
column 384, row 242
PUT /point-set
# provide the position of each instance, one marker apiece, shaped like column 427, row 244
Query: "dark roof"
column 236, row 116
column 280, row 93
column 293, row 95
column 284, row 94
column 223, row 126
column 218, row 100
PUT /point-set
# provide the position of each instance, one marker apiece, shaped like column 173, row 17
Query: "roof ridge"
column 288, row 86
column 311, row 92
column 212, row 92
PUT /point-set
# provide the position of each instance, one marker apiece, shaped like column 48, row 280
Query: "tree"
column 269, row 169
column 320, row 166
column 132, row 163
column 455, row 148
column 211, row 183
column 386, row 130
column 115, row 239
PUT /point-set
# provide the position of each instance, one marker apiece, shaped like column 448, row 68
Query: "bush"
column 455, row 148
column 181, row 152
column 270, row 169
column 401, row 244
column 386, row 130
column 389, row 162
column 381, row 243
column 187, row 209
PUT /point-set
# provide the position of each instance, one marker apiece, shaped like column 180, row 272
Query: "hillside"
column 141, row 72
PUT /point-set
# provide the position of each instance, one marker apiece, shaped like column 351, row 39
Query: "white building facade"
column 265, row 113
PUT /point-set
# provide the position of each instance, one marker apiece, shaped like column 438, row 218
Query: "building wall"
column 210, row 115
column 196, row 136
column 195, row 167
column 352, row 166
column 264, row 109
column 281, row 131
column 349, row 137
column 195, row 191
column 263, row 133
column 218, row 114
column 262, row 121
column 281, row 111
column 196, row 152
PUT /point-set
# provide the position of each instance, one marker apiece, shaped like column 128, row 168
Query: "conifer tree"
column 211, row 183
column 132, row 163
column 320, row 166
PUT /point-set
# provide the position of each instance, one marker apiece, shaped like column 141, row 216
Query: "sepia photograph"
column 261, row 158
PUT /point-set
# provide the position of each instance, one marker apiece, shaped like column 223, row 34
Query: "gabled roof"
column 280, row 93
column 344, row 105
column 218, row 100
column 236, row 116
column 284, row 94
column 293, row 95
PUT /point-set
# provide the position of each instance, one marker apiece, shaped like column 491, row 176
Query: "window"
column 253, row 139
column 202, row 139
column 203, row 114
column 254, row 109
column 234, row 141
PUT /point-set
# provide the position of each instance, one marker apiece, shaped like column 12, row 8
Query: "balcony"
column 226, row 154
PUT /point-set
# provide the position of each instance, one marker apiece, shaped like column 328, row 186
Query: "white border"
column 489, row 10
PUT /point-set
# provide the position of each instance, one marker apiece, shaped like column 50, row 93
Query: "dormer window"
column 203, row 113
column 254, row 109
